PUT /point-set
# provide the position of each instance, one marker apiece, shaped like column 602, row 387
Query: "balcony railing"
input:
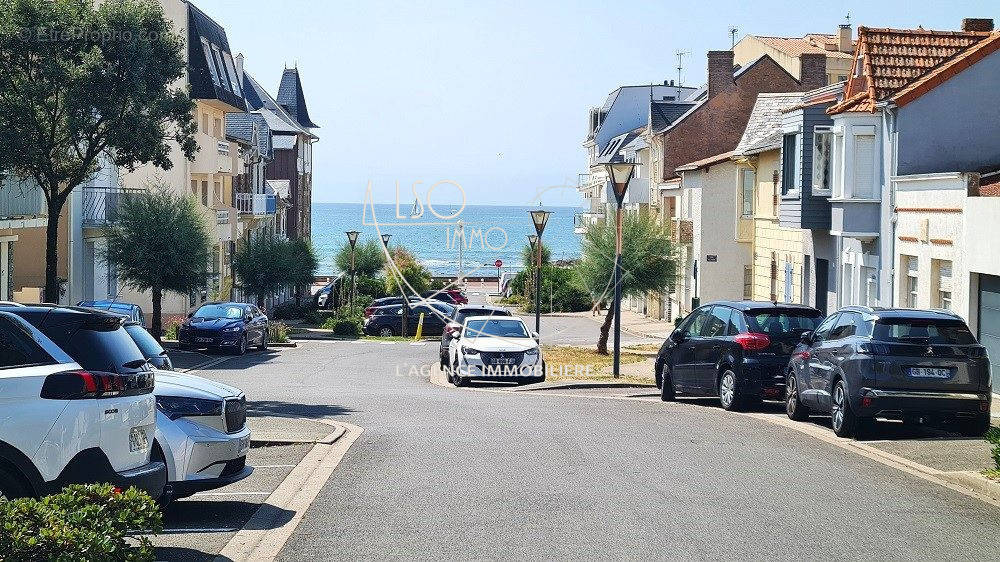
column 21, row 199
column 101, row 204
column 256, row 204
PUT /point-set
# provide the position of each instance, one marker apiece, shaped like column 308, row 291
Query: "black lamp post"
column 539, row 218
column 352, row 237
column 620, row 174
column 406, row 304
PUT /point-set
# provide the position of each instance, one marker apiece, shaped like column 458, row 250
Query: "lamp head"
column 539, row 217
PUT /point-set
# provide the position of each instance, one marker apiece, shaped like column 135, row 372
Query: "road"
column 443, row 472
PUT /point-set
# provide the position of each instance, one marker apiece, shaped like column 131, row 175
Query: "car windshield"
column 111, row 351
column 783, row 321
column 919, row 330
column 463, row 314
column 504, row 328
column 212, row 311
column 144, row 340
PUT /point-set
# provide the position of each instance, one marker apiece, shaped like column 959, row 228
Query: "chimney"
column 977, row 24
column 844, row 42
column 812, row 70
column 720, row 72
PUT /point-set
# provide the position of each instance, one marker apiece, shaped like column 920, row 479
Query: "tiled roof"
column 811, row 43
column 956, row 64
column 894, row 58
column 705, row 162
column 663, row 113
column 763, row 130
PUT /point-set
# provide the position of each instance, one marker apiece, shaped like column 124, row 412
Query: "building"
column 23, row 220
column 907, row 108
column 787, row 51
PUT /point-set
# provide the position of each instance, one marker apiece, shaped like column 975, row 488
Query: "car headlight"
column 182, row 406
column 533, row 351
column 231, row 329
column 469, row 351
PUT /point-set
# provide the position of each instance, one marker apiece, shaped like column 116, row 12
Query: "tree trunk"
column 260, row 301
column 602, row 341
column 156, row 322
column 52, row 250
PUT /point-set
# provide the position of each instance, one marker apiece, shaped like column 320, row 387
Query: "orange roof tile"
column 957, row 64
column 811, row 43
column 892, row 59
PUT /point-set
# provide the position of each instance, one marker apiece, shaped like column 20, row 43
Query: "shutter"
column 788, row 282
column 944, row 276
column 864, row 167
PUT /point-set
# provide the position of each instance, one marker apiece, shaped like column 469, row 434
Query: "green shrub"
column 92, row 522
column 278, row 332
column 993, row 436
column 371, row 287
column 170, row 333
column 289, row 310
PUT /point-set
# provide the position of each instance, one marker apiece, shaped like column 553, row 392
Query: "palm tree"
column 159, row 243
column 648, row 262
column 368, row 258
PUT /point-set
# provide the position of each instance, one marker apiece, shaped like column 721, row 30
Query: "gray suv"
column 915, row 365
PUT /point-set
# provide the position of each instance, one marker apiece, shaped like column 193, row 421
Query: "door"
column 709, row 348
column 989, row 322
column 683, row 358
column 817, row 365
column 830, row 354
column 822, row 283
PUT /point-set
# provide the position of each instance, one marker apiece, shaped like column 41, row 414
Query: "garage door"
column 989, row 322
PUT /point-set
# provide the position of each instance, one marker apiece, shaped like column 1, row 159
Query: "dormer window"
column 210, row 61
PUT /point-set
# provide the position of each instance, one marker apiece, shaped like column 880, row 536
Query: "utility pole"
column 461, row 247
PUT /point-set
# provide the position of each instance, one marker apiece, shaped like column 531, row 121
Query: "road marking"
column 208, row 364
column 264, row 535
column 256, row 466
column 418, row 343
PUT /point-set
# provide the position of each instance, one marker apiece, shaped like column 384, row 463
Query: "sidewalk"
column 632, row 322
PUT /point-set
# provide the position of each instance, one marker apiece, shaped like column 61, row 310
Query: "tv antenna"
column 680, row 63
column 733, row 30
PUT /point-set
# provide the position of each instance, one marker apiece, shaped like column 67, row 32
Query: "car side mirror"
column 190, row 314
column 678, row 336
column 534, row 335
column 807, row 337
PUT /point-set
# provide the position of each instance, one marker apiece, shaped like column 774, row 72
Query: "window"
column 18, row 346
column 233, row 78
column 910, row 266
column 824, row 329
column 222, row 73
column 218, row 128
column 845, row 326
column 737, row 324
column 789, row 163
column 836, row 177
column 717, row 323
column 111, row 351
column 746, row 192
column 204, row 123
column 210, row 62
column 146, row 343
column 869, row 286
column 943, row 273
column 218, row 192
column 194, row 187
column 841, row 78
column 204, row 193
column 924, row 331
column 788, row 282
column 822, row 160
column 781, row 321
column 695, row 322
column 864, row 167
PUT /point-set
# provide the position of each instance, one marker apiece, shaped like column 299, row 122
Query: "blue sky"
column 494, row 95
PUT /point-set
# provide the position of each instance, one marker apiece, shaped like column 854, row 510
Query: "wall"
column 750, row 48
column 944, row 129
column 804, row 209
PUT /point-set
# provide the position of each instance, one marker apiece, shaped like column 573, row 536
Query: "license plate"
column 930, row 372
column 503, row 361
column 203, row 340
column 137, row 440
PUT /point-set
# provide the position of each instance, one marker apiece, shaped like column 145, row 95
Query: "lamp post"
column 620, row 174
column 352, row 237
column 538, row 218
column 406, row 304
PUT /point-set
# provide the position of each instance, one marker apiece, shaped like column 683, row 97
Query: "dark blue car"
column 131, row 311
column 233, row 326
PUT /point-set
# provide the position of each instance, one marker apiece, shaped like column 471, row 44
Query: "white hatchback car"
column 496, row 348
column 64, row 425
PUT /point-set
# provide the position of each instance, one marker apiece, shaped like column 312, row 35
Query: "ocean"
column 491, row 232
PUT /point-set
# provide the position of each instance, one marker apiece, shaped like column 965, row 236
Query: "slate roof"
column 291, row 96
column 259, row 100
column 892, row 59
column 663, row 113
column 763, row 130
column 240, row 126
column 612, row 152
column 810, row 43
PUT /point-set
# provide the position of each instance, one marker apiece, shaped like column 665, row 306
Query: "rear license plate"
column 930, row 372
column 203, row 340
column 137, row 440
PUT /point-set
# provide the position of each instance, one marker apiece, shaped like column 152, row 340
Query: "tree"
column 261, row 263
column 417, row 277
column 159, row 243
column 368, row 258
column 83, row 80
column 301, row 266
column 648, row 262
column 529, row 256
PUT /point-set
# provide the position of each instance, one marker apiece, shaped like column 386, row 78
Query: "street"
column 442, row 472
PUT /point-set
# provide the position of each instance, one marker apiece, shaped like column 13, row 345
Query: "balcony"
column 256, row 204
column 101, row 204
column 223, row 225
column 682, row 231
column 583, row 221
column 225, row 160
column 21, row 199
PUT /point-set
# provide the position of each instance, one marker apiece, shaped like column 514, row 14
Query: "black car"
column 914, row 365
column 457, row 320
column 738, row 351
column 224, row 325
column 388, row 320
column 150, row 348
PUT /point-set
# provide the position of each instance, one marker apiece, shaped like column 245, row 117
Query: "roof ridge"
column 922, row 31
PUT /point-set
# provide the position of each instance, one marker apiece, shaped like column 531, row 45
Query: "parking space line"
column 256, row 466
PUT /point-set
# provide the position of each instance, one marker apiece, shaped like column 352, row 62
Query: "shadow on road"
column 184, row 554
column 260, row 408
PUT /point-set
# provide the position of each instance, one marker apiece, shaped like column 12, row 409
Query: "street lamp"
column 352, row 237
column 538, row 218
column 406, row 304
column 620, row 174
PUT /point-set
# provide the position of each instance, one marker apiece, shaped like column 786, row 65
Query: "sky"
column 495, row 95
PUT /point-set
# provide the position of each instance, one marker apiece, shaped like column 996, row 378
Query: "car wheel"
column 456, row 376
column 263, row 341
column 657, row 369
column 975, row 427
column 13, row 485
column 729, row 393
column 794, row 407
column 666, row 385
column 385, row 332
column 241, row 347
column 844, row 420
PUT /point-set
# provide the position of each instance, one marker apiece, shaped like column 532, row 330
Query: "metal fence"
column 101, row 204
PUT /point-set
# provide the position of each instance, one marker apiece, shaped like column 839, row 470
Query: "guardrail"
column 21, row 198
column 101, row 204
column 256, row 204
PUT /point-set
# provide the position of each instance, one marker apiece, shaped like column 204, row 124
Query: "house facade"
column 787, row 51
column 23, row 218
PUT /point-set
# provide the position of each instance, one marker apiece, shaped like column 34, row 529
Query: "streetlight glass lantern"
column 352, row 237
column 620, row 173
column 533, row 240
column 385, row 239
column 539, row 218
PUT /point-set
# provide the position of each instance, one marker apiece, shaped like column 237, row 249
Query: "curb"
column 975, row 482
column 172, row 344
column 580, row 385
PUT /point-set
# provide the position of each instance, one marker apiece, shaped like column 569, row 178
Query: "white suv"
column 64, row 425
column 495, row 348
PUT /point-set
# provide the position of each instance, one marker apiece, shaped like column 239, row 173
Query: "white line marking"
column 273, row 465
column 418, row 343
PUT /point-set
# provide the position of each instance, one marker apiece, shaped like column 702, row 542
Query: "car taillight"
column 977, row 352
column 369, row 311
column 752, row 341
column 873, row 349
column 76, row 385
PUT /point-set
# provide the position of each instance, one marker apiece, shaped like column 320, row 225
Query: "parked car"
column 389, row 301
column 69, row 421
column 457, row 320
column 738, row 351
column 201, row 434
column 131, row 311
column 915, row 365
column 224, row 325
column 150, row 348
column 323, row 297
column 388, row 320
column 497, row 349
column 450, row 296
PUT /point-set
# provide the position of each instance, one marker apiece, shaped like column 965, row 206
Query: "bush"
column 993, row 436
column 346, row 322
column 289, row 310
column 370, row 287
column 278, row 332
column 92, row 522
column 562, row 290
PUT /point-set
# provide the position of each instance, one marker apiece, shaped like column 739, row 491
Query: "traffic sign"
column 498, row 263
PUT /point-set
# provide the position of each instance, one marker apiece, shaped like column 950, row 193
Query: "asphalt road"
column 459, row 473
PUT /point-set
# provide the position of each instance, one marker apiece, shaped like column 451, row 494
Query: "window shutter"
column 864, row 166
